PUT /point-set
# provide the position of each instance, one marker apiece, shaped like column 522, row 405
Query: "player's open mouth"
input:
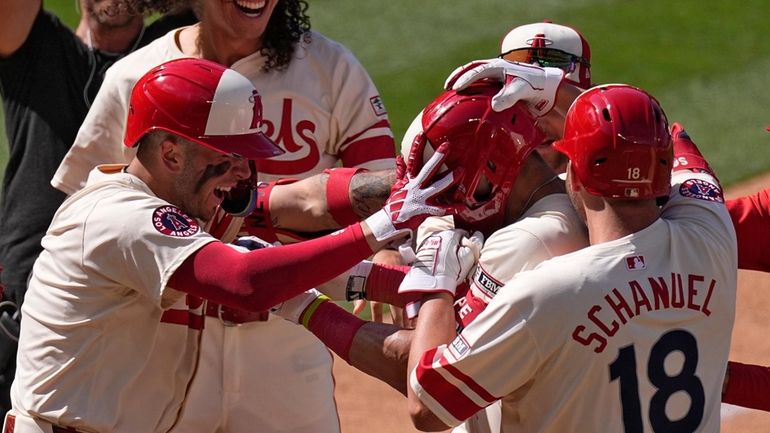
column 220, row 192
column 251, row 9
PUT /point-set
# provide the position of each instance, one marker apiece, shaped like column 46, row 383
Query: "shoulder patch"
column 702, row 190
column 171, row 221
column 378, row 106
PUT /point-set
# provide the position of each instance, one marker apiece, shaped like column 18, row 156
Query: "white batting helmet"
column 549, row 44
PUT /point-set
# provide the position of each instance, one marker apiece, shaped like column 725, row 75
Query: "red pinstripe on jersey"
column 442, row 381
column 368, row 145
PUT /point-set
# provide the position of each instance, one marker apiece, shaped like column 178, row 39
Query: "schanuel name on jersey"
column 488, row 285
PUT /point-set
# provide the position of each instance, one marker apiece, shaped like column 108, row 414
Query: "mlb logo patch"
column 171, row 221
column 702, row 190
column 378, row 106
column 459, row 347
column 635, row 263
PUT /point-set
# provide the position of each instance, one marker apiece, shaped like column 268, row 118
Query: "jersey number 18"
column 624, row 369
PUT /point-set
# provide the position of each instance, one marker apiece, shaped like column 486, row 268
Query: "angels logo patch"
column 701, row 189
column 171, row 221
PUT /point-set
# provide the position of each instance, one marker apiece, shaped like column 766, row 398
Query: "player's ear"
column 171, row 153
column 573, row 183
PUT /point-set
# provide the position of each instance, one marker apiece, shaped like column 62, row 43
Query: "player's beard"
column 191, row 186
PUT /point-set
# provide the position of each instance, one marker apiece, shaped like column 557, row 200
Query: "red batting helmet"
column 203, row 102
column 617, row 140
column 549, row 44
column 489, row 146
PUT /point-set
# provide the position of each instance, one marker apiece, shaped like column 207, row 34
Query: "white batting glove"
column 294, row 308
column 409, row 203
column 443, row 261
column 535, row 85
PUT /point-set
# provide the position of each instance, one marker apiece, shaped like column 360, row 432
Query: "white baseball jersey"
column 97, row 351
column 627, row 336
column 549, row 228
column 322, row 109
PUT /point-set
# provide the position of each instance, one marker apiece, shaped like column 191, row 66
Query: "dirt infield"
column 369, row 406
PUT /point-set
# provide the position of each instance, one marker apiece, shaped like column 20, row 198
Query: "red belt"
column 231, row 316
column 10, row 426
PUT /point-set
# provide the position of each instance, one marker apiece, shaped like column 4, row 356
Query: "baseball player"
column 551, row 45
column 745, row 384
column 100, row 347
column 321, row 108
column 37, row 54
column 629, row 334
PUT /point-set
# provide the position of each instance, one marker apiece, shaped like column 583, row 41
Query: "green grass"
column 706, row 61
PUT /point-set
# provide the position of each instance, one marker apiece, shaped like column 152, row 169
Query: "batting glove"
column 535, row 85
column 686, row 153
column 443, row 261
column 411, row 201
column 300, row 308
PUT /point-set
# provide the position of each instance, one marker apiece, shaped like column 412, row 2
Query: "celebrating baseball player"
column 628, row 334
column 100, row 348
column 323, row 110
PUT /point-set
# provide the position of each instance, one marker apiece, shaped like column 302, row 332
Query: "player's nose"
column 240, row 168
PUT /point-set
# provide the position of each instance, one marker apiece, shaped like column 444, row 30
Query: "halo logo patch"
column 171, row 221
column 701, row 189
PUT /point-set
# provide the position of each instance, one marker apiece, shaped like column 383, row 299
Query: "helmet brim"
column 249, row 146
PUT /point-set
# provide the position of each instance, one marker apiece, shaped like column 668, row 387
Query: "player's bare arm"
column 310, row 205
column 16, row 18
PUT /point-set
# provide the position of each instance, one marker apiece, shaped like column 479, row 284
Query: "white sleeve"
column 359, row 130
column 455, row 381
column 139, row 244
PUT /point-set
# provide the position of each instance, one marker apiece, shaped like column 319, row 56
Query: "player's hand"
column 293, row 309
column 444, row 260
column 535, row 85
column 412, row 200
column 686, row 153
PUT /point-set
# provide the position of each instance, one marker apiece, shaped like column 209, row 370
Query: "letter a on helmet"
column 203, row 102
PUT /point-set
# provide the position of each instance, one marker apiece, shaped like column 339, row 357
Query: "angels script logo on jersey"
column 171, row 221
column 301, row 155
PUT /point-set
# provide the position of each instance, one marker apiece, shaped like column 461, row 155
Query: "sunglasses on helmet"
column 545, row 57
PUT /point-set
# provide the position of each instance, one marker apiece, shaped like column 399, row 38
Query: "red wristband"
column 338, row 195
column 748, row 386
column 335, row 327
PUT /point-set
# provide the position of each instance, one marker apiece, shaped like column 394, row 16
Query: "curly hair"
column 288, row 24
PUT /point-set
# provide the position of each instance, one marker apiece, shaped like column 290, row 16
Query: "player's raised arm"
column 16, row 19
